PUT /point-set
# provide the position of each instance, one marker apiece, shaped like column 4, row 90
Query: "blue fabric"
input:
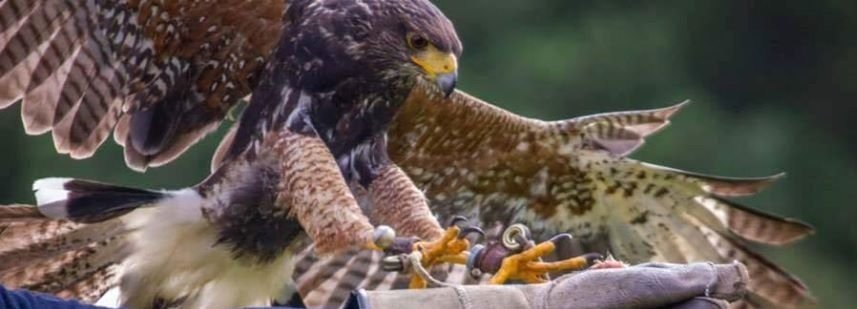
column 21, row 299
column 357, row 300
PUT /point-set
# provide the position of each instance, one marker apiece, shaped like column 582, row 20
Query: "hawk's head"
column 390, row 43
column 423, row 41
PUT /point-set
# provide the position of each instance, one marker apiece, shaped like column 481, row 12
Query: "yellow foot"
column 528, row 267
column 405, row 252
column 450, row 248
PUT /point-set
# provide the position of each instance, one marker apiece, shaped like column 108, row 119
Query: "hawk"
column 160, row 75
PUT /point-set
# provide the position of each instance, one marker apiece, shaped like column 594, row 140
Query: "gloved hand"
column 653, row 285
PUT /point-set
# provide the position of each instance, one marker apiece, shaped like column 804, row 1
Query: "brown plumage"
column 310, row 173
column 160, row 75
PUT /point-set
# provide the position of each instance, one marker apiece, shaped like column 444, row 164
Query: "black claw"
column 591, row 258
column 457, row 219
column 565, row 246
column 471, row 230
column 561, row 238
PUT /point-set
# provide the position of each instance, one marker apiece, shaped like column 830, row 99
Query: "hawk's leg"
column 313, row 190
column 397, row 202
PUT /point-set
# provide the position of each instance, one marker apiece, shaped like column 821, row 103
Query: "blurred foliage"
column 774, row 85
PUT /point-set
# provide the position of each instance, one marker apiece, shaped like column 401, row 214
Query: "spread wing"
column 573, row 176
column 160, row 75
column 476, row 160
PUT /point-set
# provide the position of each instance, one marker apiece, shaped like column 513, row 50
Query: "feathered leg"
column 313, row 190
column 397, row 202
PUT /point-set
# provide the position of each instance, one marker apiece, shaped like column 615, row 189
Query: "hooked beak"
column 439, row 67
column 447, row 82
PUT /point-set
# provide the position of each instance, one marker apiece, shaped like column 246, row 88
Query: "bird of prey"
column 574, row 176
column 160, row 75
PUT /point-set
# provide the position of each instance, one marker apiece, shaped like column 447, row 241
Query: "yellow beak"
column 440, row 67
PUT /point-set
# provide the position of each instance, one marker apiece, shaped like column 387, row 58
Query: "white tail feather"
column 51, row 196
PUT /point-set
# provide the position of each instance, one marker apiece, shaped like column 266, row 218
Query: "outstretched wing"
column 471, row 135
column 473, row 158
column 573, row 176
column 162, row 74
column 479, row 161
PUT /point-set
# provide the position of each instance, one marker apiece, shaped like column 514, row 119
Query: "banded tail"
column 71, row 244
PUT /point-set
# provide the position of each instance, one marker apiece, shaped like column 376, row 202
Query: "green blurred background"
column 774, row 85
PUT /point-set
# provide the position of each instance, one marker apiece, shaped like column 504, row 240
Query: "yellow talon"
column 450, row 248
column 528, row 267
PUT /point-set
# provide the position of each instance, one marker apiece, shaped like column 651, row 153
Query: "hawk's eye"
column 417, row 41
